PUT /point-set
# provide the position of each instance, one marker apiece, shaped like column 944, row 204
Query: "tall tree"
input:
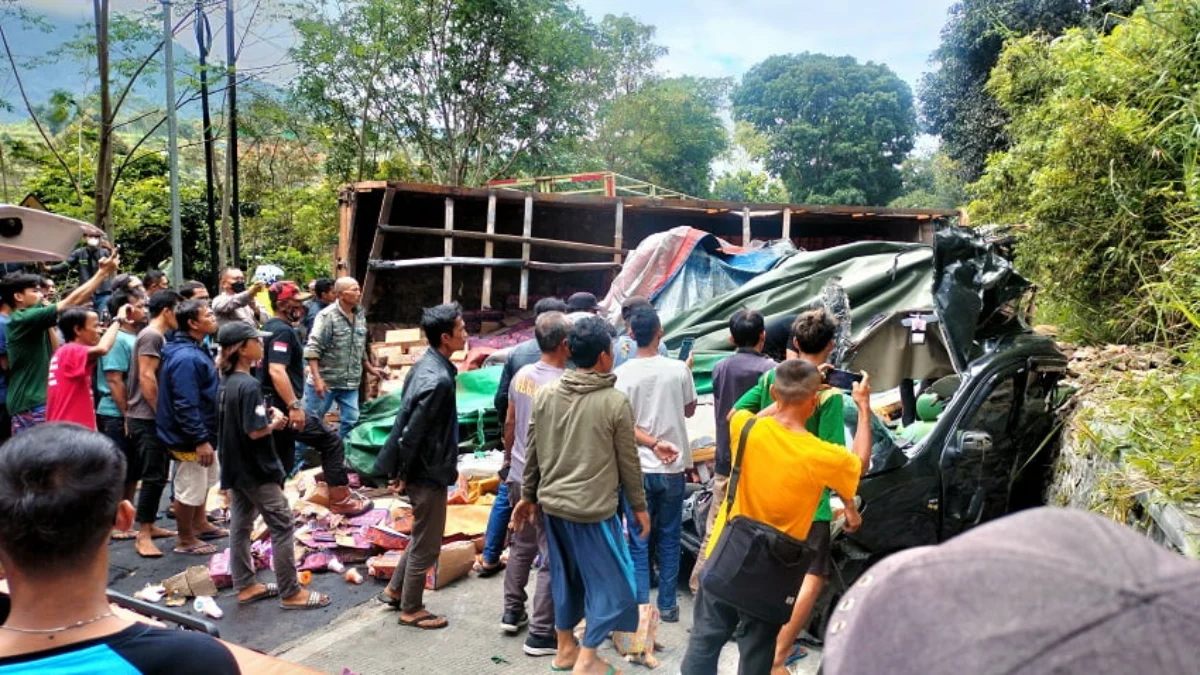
column 667, row 132
column 954, row 102
column 465, row 87
column 836, row 129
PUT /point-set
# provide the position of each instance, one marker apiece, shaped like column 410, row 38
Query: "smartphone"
column 685, row 349
column 842, row 379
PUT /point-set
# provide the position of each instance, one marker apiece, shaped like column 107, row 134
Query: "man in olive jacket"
column 421, row 455
column 580, row 451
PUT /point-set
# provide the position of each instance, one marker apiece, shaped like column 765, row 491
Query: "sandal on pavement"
column 124, row 535
column 315, row 601
column 388, row 600
column 798, row 653
column 426, row 622
column 219, row 533
column 484, row 571
column 272, row 591
column 196, row 549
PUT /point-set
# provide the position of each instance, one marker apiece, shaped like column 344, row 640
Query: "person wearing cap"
column 624, row 346
column 186, row 419
column 780, row 472
column 582, row 305
column 282, row 384
column 1046, row 590
column 236, row 301
column 253, row 475
column 336, row 352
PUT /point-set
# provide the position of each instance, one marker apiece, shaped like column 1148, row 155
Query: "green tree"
column 930, row 181
column 667, row 132
column 749, row 186
column 836, row 129
column 465, row 87
column 954, row 102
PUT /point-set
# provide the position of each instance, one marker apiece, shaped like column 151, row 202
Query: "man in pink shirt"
column 69, row 389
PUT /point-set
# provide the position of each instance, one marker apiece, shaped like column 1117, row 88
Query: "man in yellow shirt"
column 782, row 476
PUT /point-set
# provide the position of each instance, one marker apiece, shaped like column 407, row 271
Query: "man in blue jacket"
column 186, row 418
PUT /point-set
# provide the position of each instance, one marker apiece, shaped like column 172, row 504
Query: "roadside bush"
column 1104, row 170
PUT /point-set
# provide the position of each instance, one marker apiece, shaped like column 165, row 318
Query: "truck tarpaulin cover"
column 684, row 267
column 878, row 277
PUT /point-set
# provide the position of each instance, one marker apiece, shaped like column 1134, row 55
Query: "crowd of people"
column 593, row 480
column 166, row 387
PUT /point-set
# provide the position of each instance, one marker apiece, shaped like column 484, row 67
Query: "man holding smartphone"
column 663, row 395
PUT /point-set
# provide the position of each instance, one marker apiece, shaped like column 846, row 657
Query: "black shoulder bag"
column 754, row 567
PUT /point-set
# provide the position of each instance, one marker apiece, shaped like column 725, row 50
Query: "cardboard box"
column 192, row 582
column 454, row 562
column 382, row 566
column 401, row 360
column 405, row 336
column 386, row 537
column 459, row 357
column 383, row 352
column 418, row 351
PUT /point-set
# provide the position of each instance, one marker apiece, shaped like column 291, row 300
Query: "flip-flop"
column 424, row 622
column 272, row 591
column 315, row 601
column 484, row 571
column 196, row 549
column 561, row 669
column 388, row 600
column 125, row 535
column 167, row 534
column 798, row 653
column 219, row 533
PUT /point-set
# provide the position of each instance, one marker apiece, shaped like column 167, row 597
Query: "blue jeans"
column 346, row 399
column 664, row 500
column 497, row 527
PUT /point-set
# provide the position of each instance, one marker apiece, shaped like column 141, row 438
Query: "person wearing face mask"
column 87, row 261
column 283, row 385
column 236, row 300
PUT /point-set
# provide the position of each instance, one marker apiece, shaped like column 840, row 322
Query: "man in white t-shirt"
column 663, row 395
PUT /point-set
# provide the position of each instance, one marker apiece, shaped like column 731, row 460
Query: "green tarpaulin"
column 878, row 277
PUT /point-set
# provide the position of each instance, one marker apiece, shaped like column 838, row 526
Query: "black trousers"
column 713, row 622
column 156, row 465
column 321, row 438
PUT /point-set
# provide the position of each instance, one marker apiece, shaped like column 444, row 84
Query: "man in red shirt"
column 69, row 389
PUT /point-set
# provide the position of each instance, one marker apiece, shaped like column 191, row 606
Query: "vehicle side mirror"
column 976, row 441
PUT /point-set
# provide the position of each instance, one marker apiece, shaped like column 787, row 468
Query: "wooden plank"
column 448, row 271
column 465, row 261
column 745, row 226
column 486, row 293
column 787, row 224
column 507, row 239
column 619, row 231
column 526, row 231
column 385, row 214
column 341, row 258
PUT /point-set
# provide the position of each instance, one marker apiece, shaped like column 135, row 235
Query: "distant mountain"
column 78, row 76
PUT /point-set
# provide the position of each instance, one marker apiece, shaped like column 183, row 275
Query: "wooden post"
column 619, row 230
column 746, row 226
column 385, row 213
column 787, row 223
column 486, row 295
column 448, row 271
column 526, row 231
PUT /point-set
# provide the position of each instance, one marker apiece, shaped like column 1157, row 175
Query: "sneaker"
column 541, row 645
column 512, row 621
column 669, row 615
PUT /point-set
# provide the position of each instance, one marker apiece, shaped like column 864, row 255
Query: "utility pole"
column 204, row 44
column 231, row 61
column 172, row 148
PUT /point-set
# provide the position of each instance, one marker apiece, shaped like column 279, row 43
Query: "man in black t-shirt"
column 282, row 383
column 779, row 338
column 60, row 498
column 253, row 475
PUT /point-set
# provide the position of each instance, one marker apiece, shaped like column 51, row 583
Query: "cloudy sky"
column 705, row 37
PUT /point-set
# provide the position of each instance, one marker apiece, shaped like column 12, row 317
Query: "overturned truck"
column 415, row 245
